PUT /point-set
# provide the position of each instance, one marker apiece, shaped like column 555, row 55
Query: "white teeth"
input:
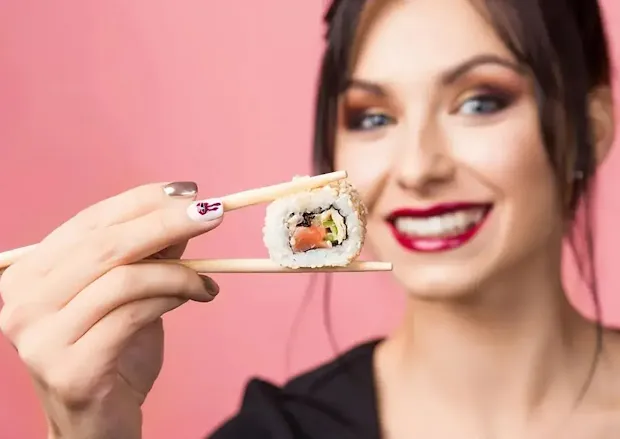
column 441, row 225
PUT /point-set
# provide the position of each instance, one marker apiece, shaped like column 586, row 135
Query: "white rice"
column 343, row 198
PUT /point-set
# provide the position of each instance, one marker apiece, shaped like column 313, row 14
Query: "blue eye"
column 368, row 121
column 484, row 104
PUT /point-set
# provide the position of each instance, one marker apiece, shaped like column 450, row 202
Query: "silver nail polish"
column 181, row 189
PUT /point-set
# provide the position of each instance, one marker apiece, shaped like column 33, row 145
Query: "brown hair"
column 564, row 46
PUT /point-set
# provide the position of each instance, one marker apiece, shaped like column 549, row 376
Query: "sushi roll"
column 322, row 227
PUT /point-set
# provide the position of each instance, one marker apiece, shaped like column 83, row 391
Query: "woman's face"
column 439, row 131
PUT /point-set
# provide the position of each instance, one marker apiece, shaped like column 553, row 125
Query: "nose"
column 423, row 160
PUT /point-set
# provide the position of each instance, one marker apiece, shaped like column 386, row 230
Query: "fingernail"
column 205, row 210
column 210, row 285
column 181, row 189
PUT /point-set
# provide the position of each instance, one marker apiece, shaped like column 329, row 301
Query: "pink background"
column 97, row 97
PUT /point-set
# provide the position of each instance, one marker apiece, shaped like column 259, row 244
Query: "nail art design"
column 181, row 189
column 206, row 210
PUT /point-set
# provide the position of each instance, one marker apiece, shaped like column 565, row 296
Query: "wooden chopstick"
column 263, row 266
column 266, row 266
column 229, row 202
column 11, row 256
column 270, row 193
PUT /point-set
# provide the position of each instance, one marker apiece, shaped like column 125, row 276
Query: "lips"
column 438, row 228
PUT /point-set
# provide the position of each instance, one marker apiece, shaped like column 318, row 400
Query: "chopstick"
column 230, row 202
column 263, row 266
column 11, row 256
column 266, row 266
column 270, row 193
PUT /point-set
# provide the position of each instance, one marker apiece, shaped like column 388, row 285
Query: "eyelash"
column 365, row 120
column 498, row 99
column 357, row 118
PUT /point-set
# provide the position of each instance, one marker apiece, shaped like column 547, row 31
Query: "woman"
column 473, row 136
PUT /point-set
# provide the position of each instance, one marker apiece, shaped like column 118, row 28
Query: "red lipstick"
column 440, row 243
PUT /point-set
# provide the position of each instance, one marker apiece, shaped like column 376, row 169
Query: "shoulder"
column 351, row 368
column 331, row 400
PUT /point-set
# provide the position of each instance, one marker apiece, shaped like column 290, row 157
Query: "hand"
column 87, row 324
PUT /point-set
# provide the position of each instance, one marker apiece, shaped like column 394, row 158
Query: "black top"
column 334, row 401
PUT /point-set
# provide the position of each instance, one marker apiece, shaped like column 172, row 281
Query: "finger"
column 127, row 284
column 173, row 252
column 112, row 333
column 124, row 207
column 118, row 209
column 117, row 245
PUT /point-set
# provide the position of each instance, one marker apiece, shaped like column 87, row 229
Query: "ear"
column 602, row 120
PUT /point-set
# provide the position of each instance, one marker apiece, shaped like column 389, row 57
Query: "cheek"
column 509, row 158
column 367, row 164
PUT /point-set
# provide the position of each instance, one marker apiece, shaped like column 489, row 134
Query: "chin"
column 452, row 274
column 439, row 282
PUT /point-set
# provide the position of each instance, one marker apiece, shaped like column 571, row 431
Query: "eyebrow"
column 451, row 75
column 368, row 86
column 448, row 77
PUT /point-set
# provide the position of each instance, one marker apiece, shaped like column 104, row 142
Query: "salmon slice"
column 308, row 238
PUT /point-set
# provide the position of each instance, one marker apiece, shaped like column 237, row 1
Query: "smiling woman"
column 473, row 137
column 472, row 131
